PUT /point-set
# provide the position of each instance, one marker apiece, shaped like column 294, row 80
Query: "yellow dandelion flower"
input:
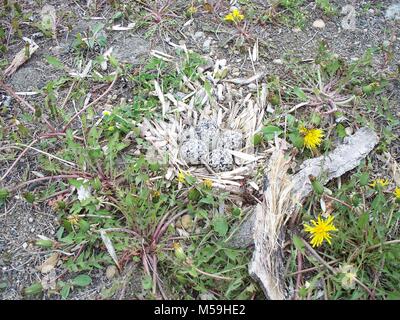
column 179, row 253
column 312, row 137
column 106, row 113
column 156, row 193
column 379, row 182
column 397, row 193
column 192, row 10
column 181, row 176
column 234, row 16
column 320, row 230
column 73, row 219
column 207, row 183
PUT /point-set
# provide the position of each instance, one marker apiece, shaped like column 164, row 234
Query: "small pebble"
column 30, row 220
column 111, row 271
column 24, row 245
column 198, row 35
column 186, row 221
column 32, row 230
column 235, row 72
column 207, row 45
column 319, row 24
column 277, row 61
column 349, row 131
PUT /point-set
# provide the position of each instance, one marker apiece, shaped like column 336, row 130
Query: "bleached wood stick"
column 344, row 158
column 280, row 198
column 265, row 227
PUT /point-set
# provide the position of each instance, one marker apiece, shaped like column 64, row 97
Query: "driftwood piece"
column 265, row 228
column 267, row 266
column 345, row 157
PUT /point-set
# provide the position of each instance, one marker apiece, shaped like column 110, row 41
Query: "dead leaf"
column 161, row 97
column 186, row 221
column 21, row 57
column 49, row 281
column 118, row 27
column 240, row 81
column 109, row 246
column 49, row 264
column 208, row 7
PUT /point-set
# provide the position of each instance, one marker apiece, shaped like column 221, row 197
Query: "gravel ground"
column 21, row 222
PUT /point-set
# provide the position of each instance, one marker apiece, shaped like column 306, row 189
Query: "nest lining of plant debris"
column 208, row 133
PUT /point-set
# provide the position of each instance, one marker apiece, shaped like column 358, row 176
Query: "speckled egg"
column 193, row 150
column 220, row 160
column 229, row 139
column 207, row 131
column 188, row 134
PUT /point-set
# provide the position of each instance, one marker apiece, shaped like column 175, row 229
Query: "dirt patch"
column 20, row 225
column 128, row 48
column 33, row 76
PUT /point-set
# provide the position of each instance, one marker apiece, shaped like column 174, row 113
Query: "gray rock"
column 29, row 78
column 129, row 48
column 393, row 12
column 243, row 238
column 5, row 101
column 207, row 45
column 198, row 35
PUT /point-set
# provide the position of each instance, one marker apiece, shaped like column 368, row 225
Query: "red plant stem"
column 22, row 101
column 156, row 232
column 165, row 226
column 57, row 134
column 153, row 260
column 61, row 176
column 340, row 201
column 300, row 274
column 18, row 158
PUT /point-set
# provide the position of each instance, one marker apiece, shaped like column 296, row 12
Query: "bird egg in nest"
column 221, row 160
column 230, row 139
column 193, row 151
column 207, row 131
column 188, row 134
